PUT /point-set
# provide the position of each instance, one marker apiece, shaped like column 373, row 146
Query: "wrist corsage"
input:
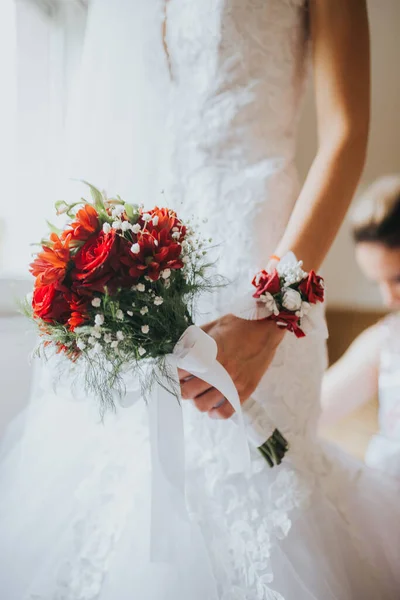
column 286, row 295
column 289, row 296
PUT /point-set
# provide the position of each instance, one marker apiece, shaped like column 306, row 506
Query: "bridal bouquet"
column 116, row 286
column 115, row 290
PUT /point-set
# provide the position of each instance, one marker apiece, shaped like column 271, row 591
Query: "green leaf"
column 61, row 207
column 97, row 196
column 131, row 210
column 53, row 228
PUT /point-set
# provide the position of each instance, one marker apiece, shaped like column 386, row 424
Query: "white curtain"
column 40, row 49
column 8, row 99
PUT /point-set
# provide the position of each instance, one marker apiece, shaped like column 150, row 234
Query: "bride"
column 200, row 98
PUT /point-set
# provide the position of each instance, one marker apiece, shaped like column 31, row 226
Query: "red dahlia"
column 50, row 265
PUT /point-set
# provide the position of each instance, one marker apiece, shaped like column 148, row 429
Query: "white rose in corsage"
column 291, row 300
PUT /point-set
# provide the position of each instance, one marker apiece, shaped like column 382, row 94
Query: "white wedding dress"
column 210, row 118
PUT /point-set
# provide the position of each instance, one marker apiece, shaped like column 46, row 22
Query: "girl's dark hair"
column 377, row 215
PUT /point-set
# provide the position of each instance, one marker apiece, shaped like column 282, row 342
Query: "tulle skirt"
column 75, row 516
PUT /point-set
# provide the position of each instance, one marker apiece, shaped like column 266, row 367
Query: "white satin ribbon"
column 195, row 352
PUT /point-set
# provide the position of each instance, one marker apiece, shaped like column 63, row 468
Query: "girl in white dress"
column 371, row 366
column 201, row 98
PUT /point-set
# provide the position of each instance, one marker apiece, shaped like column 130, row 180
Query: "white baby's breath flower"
column 290, row 269
column 176, row 235
column 130, row 313
column 146, row 217
column 125, row 225
column 97, row 347
column 141, row 351
column 135, row 248
column 158, row 300
column 107, row 338
column 291, row 300
column 185, row 259
column 270, row 303
column 175, row 229
column 118, row 210
column 91, row 340
column 99, row 319
column 96, row 302
column 141, row 287
column 303, row 310
column 145, row 329
column 81, row 344
column 147, row 278
column 133, row 304
column 166, row 273
column 120, row 336
column 106, row 227
column 144, row 310
column 155, row 220
column 119, row 314
column 96, row 333
column 135, row 228
column 117, row 225
column 114, row 344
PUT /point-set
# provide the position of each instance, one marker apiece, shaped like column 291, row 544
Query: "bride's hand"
column 245, row 349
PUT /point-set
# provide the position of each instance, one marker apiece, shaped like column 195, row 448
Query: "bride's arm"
column 353, row 380
column 340, row 40
column 340, row 47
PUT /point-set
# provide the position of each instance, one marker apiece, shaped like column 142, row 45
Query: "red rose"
column 290, row 322
column 313, row 288
column 266, row 282
column 86, row 224
column 95, row 262
column 50, row 304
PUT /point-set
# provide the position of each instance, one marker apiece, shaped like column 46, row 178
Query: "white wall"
column 346, row 285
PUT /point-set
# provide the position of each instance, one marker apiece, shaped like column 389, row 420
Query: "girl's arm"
column 340, row 48
column 353, row 380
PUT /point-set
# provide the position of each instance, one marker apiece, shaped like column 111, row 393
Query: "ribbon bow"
column 195, row 352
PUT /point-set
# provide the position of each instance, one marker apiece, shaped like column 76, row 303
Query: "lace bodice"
column 238, row 69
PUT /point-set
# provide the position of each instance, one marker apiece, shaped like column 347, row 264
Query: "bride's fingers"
column 224, row 411
column 190, row 388
column 183, row 374
column 210, row 399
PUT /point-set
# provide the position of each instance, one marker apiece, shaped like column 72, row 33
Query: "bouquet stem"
column 274, row 448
